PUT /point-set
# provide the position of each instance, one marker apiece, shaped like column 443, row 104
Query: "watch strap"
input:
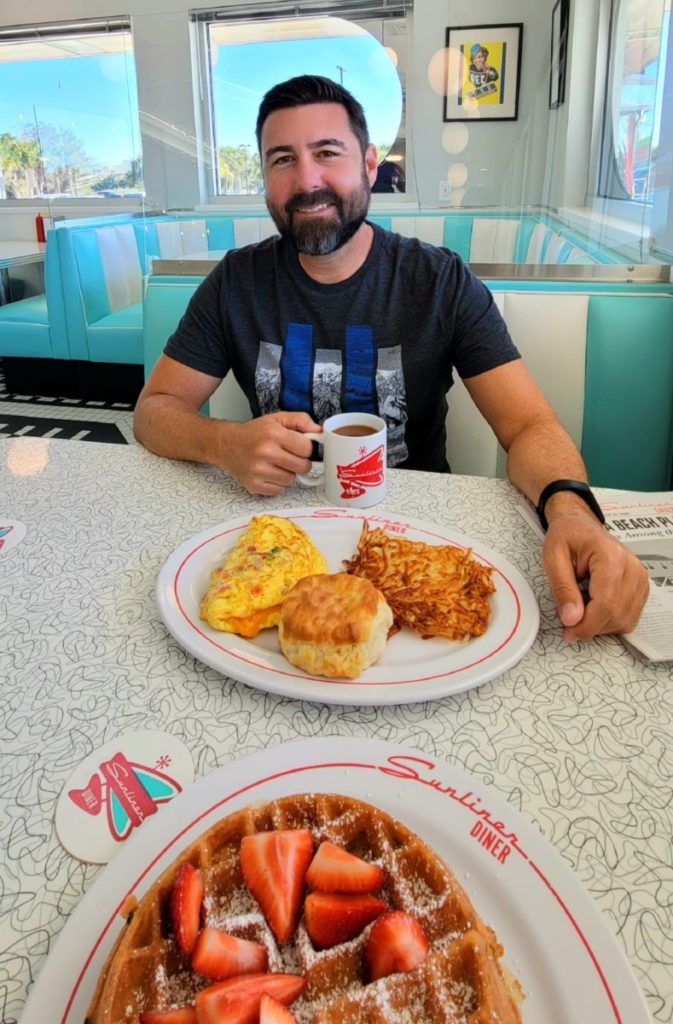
column 578, row 487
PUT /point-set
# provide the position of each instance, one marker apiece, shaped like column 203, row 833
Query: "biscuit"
column 334, row 626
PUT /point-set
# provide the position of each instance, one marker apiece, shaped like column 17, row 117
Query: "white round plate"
column 410, row 669
column 555, row 940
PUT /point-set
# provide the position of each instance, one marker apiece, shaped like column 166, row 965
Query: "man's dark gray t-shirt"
column 383, row 341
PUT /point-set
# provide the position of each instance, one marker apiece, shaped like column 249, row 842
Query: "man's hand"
column 266, row 454
column 578, row 548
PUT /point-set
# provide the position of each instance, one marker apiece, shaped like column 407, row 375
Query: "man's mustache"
column 307, row 200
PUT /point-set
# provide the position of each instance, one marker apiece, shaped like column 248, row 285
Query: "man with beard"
column 337, row 314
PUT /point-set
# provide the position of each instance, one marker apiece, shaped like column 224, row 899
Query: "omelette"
column 245, row 594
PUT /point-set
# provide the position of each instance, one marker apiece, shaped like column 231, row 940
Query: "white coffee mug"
column 354, row 460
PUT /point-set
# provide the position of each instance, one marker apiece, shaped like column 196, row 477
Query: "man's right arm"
column 166, row 418
column 265, row 454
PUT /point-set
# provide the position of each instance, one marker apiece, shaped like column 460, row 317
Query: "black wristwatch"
column 577, row 487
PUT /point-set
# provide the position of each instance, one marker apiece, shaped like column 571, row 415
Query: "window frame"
column 26, row 33
column 273, row 10
column 626, row 209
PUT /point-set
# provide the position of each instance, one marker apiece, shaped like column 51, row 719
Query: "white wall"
column 505, row 161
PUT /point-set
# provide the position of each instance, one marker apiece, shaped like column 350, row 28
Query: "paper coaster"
column 11, row 534
column 116, row 789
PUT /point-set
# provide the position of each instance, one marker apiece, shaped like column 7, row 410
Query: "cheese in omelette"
column 246, row 593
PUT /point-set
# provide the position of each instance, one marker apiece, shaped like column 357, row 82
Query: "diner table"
column 575, row 737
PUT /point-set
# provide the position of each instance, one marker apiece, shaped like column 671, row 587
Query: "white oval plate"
column 555, row 939
column 410, row 669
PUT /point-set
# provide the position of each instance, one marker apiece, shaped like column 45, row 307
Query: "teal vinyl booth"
column 628, row 412
column 35, row 326
column 92, row 310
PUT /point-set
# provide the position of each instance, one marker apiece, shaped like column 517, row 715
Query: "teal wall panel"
column 166, row 299
column 627, row 437
column 458, row 234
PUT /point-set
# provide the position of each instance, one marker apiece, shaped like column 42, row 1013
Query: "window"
column 639, row 41
column 68, row 111
column 245, row 50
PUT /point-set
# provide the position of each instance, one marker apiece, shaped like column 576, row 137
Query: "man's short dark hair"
column 307, row 89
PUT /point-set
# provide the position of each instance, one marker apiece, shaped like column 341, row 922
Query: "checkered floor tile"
column 64, row 418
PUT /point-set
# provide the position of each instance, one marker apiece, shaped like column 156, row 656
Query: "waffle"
column 461, row 981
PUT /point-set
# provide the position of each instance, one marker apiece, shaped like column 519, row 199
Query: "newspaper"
column 643, row 521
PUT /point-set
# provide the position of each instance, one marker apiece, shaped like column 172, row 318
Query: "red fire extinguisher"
column 39, row 228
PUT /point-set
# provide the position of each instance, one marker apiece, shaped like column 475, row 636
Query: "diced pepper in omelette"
column 246, row 593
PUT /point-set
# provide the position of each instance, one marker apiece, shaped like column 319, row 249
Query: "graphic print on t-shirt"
column 298, row 376
column 327, row 375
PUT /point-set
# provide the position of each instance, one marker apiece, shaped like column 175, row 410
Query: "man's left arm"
column 577, row 547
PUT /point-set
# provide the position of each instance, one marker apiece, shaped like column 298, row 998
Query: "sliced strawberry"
column 273, row 1012
column 186, row 907
column 333, row 919
column 218, row 955
column 335, row 870
column 274, row 866
column 185, row 1015
column 397, row 942
column 237, row 1001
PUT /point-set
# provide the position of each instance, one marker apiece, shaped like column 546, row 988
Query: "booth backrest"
column 166, row 299
column 53, row 287
column 98, row 273
column 489, row 238
column 172, row 237
column 109, row 269
column 100, row 264
column 605, row 362
column 96, row 268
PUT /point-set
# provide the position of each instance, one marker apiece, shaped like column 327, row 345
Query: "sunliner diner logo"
column 489, row 833
column 366, row 471
column 117, row 788
column 129, row 792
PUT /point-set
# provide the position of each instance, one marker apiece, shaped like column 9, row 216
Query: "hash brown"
column 436, row 590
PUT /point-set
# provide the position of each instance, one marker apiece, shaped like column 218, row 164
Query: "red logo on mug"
column 367, row 471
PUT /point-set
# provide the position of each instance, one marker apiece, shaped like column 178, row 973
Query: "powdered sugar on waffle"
column 338, row 989
column 238, row 914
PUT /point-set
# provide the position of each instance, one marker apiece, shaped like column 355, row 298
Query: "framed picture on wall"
column 559, row 52
column 483, row 70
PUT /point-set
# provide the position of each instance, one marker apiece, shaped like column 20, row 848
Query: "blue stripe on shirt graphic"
column 360, row 370
column 297, row 368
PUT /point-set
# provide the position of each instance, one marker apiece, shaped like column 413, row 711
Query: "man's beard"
column 320, row 236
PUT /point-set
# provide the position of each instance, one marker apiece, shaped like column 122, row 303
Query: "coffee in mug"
column 356, row 430
column 354, row 459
